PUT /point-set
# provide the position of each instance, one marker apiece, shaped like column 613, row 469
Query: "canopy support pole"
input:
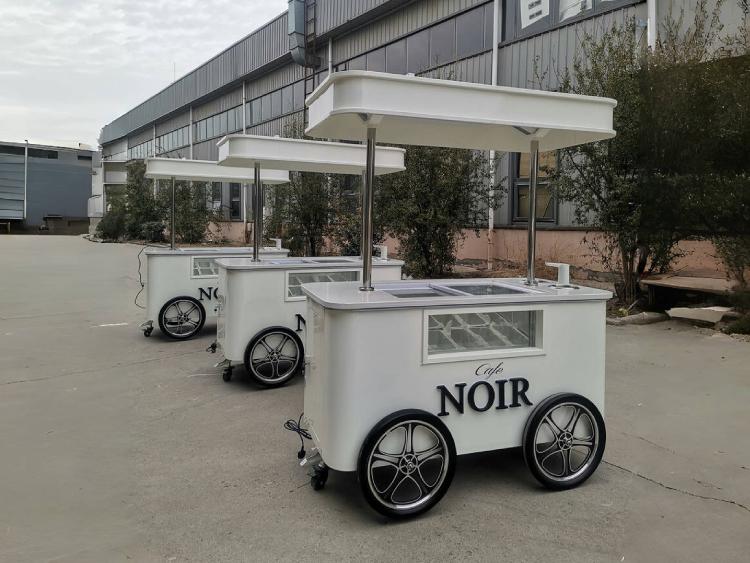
column 258, row 209
column 533, row 176
column 367, row 205
column 171, row 229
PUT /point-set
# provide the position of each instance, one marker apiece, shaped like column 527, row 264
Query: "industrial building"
column 45, row 187
column 258, row 85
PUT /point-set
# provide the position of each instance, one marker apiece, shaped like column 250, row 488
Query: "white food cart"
column 261, row 311
column 403, row 377
column 261, row 304
column 182, row 282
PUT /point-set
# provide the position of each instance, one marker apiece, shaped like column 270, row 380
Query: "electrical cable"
column 140, row 275
column 303, row 433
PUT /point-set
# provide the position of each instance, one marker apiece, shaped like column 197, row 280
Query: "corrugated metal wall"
column 265, row 46
column 142, row 137
column 11, row 186
column 278, row 126
column 334, row 13
column 476, row 69
column 217, row 105
column 540, row 61
column 274, row 80
column 398, row 24
column 173, row 123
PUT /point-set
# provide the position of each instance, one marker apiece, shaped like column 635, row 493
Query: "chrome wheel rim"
column 408, row 465
column 566, row 441
column 274, row 357
column 182, row 318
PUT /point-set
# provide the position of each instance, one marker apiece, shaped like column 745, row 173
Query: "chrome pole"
column 258, row 210
column 172, row 233
column 534, row 172
column 367, row 204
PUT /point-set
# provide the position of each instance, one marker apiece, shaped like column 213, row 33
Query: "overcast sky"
column 68, row 67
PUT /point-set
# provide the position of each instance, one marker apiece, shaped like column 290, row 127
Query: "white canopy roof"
column 208, row 171
column 303, row 155
column 422, row 111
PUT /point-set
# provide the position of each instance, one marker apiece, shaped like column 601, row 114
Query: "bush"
column 152, row 231
column 112, row 225
column 734, row 252
column 741, row 326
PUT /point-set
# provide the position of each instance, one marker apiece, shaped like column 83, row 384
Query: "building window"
column 395, row 57
column 468, row 39
column 287, row 99
column 265, row 108
column 418, row 52
column 215, row 201
column 546, row 206
column 299, row 95
column 376, row 60
column 255, row 111
column 443, row 43
column 235, row 202
column 571, row 8
column 357, row 63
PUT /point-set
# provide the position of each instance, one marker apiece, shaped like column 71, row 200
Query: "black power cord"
column 140, row 275
column 296, row 427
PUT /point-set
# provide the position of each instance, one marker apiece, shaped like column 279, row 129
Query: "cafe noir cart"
column 405, row 376
column 181, row 282
column 261, row 305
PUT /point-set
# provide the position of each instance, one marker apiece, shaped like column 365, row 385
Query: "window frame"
column 517, row 181
column 288, row 273
column 486, row 353
column 202, row 277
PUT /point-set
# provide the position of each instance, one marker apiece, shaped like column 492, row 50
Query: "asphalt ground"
column 115, row 447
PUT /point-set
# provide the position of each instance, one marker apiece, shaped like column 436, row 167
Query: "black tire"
column 266, row 361
column 564, row 440
column 420, row 484
column 319, row 479
column 226, row 375
column 181, row 318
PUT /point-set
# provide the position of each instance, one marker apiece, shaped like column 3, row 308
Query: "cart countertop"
column 450, row 292
column 302, row 263
column 211, row 251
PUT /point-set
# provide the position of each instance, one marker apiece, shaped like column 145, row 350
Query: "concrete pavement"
column 114, row 447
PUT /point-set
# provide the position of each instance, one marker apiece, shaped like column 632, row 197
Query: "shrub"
column 741, row 326
column 152, row 231
column 112, row 225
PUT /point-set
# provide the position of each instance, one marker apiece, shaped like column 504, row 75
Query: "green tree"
column 301, row 209
column 427, row 208
column 681, row 128
column 192, row 212
column 142, row 205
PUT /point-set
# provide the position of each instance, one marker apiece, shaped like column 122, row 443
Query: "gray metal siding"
column 174, row 123
column 403, row 22
column 476, row 69
column 274, row 80
column 262, row 47
column 11, row 186
column 217, row 105
column 334, row 13
column 207, row 150
column 539, row 62
column 142, row 137
column 56, row 186
column 277, row 126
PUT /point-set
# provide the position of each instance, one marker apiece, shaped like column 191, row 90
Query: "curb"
column 645, row 318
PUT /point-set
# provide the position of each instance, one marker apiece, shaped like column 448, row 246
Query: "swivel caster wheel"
column 226, row 375
column 147, row 332
column 318, row 478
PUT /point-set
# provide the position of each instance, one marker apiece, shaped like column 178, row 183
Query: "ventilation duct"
column 297, row 19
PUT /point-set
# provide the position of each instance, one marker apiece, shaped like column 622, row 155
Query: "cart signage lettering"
column 482, row 395
column 208, row 292
column 487, row 371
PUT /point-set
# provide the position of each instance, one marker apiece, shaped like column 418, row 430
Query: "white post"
column 172, row 234
column 245, row 187
column 25, row 175
column 534, row 173
column 651, row 23
column 491, row 209
column 367, row 204
column 190, row 132
column 258, row 227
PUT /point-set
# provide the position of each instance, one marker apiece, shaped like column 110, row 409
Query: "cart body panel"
column 372, row 358
column 253, row 296
column 189, row 272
